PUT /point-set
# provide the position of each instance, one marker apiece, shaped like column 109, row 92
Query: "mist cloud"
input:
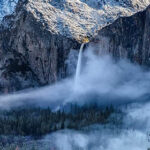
column 131, row 135
column 102, row 80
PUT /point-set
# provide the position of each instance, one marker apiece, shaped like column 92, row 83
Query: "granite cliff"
column 127, row 37
column 36, row 39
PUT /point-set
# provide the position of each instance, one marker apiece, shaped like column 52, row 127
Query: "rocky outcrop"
column 127, row 37
column 79, row 18
column 30, row 52
column 35, row 40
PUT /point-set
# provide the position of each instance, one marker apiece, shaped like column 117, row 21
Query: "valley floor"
column 126, row 129
column 24, row 128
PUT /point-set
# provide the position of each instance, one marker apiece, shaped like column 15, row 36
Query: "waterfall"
column 78, row 68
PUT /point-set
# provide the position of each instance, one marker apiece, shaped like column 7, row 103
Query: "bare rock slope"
column 36, row 39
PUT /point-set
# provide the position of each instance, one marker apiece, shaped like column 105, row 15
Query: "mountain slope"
column 38, row 37
column 127, row 37
column 79, row 18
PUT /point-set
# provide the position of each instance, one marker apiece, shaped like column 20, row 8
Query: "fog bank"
column 131, row 135
column 102, row 80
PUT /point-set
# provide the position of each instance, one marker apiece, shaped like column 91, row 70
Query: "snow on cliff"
column 79, row 18
column 76, row 18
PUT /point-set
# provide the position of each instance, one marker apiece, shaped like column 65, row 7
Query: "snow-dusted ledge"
column 76, row 18
column 79, row 18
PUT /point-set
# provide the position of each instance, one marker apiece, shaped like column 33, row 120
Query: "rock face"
column 30, row 52
column 35, row 40
column 76, row 19
column 127, row 37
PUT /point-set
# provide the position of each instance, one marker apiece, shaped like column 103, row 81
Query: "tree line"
column 40, row 121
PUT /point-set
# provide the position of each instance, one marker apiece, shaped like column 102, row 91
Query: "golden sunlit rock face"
column 85, row 40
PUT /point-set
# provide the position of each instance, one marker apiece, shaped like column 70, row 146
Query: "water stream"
column 78, row 68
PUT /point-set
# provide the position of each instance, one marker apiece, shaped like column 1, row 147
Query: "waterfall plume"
column 78, row 68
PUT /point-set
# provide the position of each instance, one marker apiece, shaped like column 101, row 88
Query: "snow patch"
column 79, row 18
